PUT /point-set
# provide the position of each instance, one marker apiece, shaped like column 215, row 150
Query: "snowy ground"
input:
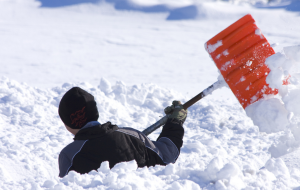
column 158, row 60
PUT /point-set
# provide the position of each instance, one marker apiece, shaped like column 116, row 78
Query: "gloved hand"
column 176, row 111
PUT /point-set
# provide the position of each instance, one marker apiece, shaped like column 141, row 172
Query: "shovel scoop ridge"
column 239, row 52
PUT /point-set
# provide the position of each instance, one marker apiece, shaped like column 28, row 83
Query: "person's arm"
column 66, row 156
column 172, row 132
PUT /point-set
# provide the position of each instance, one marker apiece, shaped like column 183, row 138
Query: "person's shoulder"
column 133, row 133
column 130, row 131
column 67, row 147
column 73, row 147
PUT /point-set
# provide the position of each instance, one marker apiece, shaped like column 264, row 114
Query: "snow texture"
column 129, row 60
column 280, row 113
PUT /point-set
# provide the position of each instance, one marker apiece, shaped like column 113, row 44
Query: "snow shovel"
column 239, row 52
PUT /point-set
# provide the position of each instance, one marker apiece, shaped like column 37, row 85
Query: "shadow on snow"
column 61, row 3
column 289, row 5
column 188, row 12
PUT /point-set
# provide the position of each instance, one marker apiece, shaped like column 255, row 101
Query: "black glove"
column 176, row 111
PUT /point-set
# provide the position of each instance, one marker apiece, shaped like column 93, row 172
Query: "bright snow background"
column 153, row 47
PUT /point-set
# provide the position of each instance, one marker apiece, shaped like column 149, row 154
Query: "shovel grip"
column 189, row 103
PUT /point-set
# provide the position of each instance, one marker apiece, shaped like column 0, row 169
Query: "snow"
column 226, row 65
column 211, row 48
column 280, row 112
column 225, row 52
column 136, row 57
column 269, row 115
column 258, row 32
column 249, row 63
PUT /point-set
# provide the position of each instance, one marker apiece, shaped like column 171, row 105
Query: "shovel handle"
column 196, row 98
column 189, row 103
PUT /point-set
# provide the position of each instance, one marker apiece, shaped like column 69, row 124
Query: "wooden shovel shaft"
column 189, row 103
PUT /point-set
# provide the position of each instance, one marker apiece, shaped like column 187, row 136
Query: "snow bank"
column 222, row 148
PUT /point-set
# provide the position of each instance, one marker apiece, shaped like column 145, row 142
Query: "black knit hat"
column 77, row 107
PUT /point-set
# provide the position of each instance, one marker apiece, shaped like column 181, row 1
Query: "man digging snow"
column 95, row 143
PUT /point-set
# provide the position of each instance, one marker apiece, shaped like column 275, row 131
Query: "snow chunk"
column 48, row 184
column 226, row 65
column 249, row 63
column 120, row 91
column 219, row 185
column 170, row 169
column 258, row 32
column 269, row 115
column 211, row 48
column 104, row 167
column 225, row 52
column 280, row 67
column 128, row 166
column 184, row 184
column 228, row 171
column 277, row 167
column 213, row 168
column 292, row 101
column 243, row 78
column 105, row 86
column 196, row 146
column 292, row 52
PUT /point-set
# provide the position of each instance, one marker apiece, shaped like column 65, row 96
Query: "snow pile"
column 222, row 148
column 281, row 113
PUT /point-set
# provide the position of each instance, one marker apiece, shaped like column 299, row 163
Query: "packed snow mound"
column 222, row 148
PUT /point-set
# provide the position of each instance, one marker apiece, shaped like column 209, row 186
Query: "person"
column 95, row 143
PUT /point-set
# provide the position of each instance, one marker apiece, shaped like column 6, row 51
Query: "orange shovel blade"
column 240, row 52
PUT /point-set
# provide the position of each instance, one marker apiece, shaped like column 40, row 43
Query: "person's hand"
column 176, row 111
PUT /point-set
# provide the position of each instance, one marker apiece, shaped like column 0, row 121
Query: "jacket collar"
column 94, row 130
column 90, row 124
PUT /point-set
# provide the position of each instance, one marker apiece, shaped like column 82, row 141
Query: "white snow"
column 249, row 63
column 136, row 63
column 269, row 114
column 225, row 52
column 281, row 112
column 211, row 48
column 258, row 32
column 226, row 65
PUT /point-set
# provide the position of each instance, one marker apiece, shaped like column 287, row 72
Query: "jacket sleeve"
column 64, row 164
column 174, row 131
column 66, row 156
